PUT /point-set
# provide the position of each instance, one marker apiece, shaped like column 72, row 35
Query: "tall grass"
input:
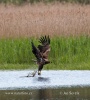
column 71, row 49
column 67, row 24
column 15, row 51
column 53, row 19
column 64, row 51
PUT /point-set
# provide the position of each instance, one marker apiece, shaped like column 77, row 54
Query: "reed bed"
column 66, row 52
column 38, row 19
column 68, row 26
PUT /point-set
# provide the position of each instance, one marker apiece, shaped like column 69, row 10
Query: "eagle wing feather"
column 37, row 53
column 45, row 46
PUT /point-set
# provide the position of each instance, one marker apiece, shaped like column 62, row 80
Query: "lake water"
column 51, row 85
column 64, row 93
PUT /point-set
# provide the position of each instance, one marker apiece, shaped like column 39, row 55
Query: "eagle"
column 41, row 52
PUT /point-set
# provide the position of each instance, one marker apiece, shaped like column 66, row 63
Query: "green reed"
column 66, row 51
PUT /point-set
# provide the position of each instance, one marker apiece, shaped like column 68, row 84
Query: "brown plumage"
column 41, row 52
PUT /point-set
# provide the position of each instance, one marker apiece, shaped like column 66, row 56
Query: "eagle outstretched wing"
column 45, row 47
column 37, row 53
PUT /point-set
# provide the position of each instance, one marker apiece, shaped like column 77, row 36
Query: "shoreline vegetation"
column 19, row 2
column 67, row 24
column 66, row 53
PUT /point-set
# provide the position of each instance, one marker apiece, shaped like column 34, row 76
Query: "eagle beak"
column 39, row 72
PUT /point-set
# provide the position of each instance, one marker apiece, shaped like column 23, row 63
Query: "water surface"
column 72, row 93
column 51, row 85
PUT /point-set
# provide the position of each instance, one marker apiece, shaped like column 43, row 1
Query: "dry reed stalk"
column 53, row 19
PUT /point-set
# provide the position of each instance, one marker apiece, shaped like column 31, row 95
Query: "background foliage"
column 46, row 1
column 63, row 50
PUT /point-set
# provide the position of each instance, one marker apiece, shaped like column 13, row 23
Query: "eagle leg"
column 39, row 69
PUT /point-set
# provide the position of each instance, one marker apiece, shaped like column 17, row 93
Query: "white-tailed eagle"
column 41, row 52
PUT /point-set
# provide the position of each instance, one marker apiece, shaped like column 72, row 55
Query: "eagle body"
column 41, row 52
